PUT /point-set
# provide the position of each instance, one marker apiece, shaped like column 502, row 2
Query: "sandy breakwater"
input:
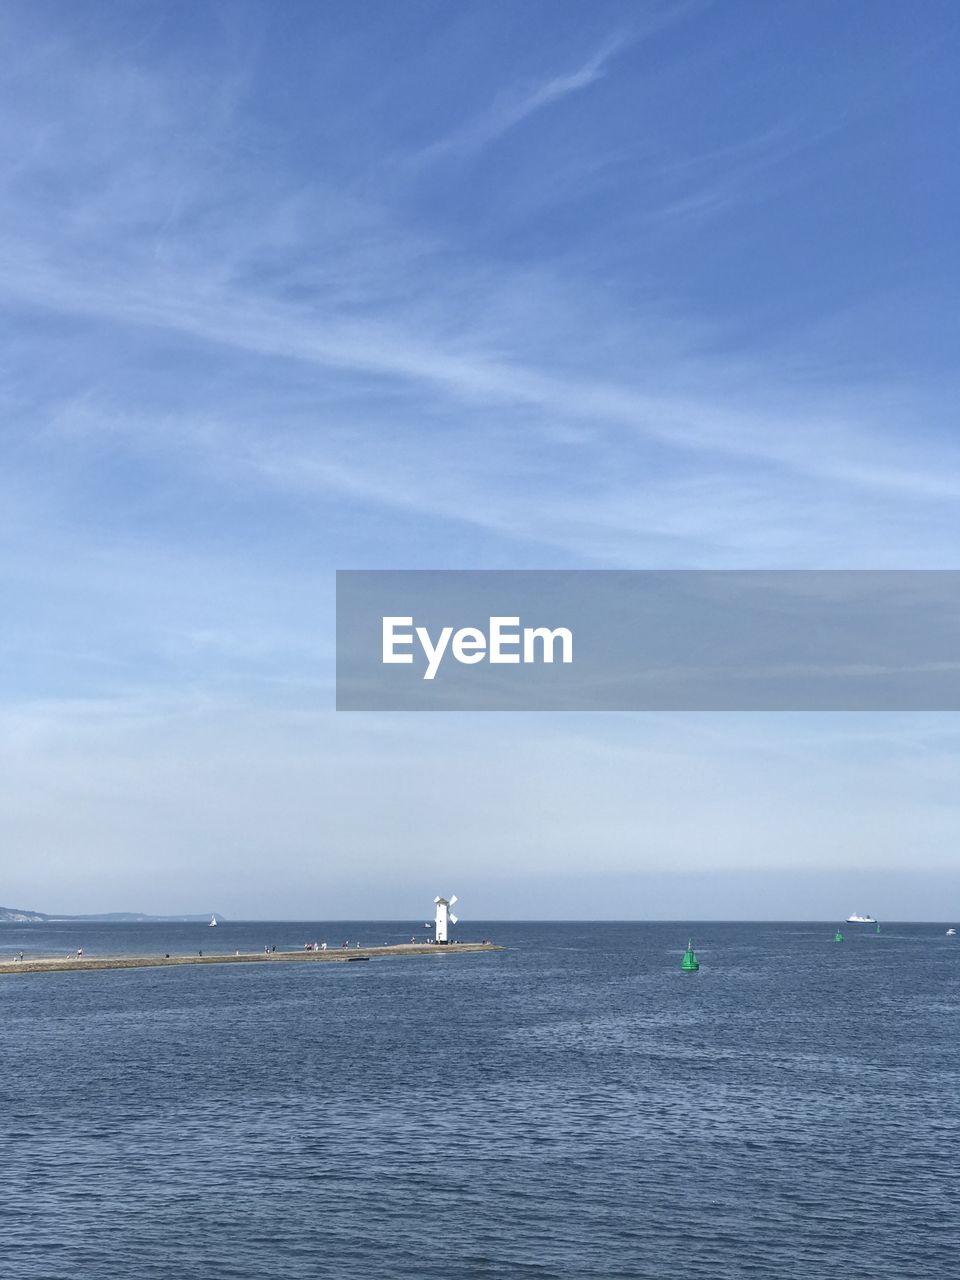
column 71, row 964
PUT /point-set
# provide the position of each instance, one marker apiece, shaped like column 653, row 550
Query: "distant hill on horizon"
column 17, row 915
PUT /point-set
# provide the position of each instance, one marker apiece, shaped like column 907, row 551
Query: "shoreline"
column 69, row 964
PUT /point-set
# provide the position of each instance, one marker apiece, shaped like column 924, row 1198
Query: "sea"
column 572, row 1107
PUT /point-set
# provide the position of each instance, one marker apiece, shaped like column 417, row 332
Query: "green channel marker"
column 690, row 963
column 838, row 937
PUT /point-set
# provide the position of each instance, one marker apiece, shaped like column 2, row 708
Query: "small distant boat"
column 213, row 921
column 857, row 919
column 951, row 933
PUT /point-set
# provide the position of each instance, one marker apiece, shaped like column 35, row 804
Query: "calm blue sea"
column 574, row 1107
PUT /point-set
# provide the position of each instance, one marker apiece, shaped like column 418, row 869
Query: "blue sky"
column 291, row 288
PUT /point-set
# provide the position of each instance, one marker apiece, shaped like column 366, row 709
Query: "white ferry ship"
column 856, row 919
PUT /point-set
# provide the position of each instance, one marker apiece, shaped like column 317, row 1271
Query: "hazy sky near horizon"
column 292, row 288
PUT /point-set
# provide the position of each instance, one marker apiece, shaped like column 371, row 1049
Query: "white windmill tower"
column 445, row 917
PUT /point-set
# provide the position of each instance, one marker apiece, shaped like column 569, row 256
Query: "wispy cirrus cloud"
column 683, row 405
column 511, row 107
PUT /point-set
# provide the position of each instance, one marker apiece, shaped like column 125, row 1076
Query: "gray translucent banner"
column 845, row 640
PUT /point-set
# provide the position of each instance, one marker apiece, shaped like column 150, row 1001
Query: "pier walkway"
column 69, row 964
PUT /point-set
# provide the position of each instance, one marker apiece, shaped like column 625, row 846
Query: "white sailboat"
column 213, row 921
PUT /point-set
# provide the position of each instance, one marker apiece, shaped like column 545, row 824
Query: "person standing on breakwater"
column 79, row 953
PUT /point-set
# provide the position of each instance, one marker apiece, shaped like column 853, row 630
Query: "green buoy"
column 690, row 963
column 878, row 928
column 838, row 937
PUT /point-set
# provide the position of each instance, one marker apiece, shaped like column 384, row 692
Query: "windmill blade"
column 453, row 918
column 453, row 900
column 436, row 900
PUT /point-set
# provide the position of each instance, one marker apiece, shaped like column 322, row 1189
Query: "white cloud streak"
column 511, row 108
